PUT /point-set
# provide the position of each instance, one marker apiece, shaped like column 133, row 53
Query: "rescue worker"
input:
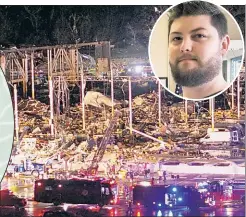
column 164, row 175
column 131, row 176
column 159, row 175
column 148, row 170
column 145, row 173
column 152, row 181
column 197, row 109
column 129, row 211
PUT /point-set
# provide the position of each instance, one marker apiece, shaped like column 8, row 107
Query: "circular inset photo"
column 196, row 50
column 6, row 124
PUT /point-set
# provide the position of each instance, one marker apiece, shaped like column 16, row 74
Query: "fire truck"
column 235, row 191
column 113, row 186
column 220, row 191
column 167, row 196
column 75, row 191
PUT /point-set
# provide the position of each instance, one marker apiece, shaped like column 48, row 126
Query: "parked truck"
column 219, row 136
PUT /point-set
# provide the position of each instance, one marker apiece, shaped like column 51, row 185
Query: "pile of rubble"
column 34, row 114
column 71, row 136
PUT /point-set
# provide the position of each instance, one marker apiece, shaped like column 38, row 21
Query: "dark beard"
column 197, row 76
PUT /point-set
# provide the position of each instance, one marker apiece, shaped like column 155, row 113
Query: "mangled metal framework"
column 125, row 79
column 62, row 60
column 64, row 66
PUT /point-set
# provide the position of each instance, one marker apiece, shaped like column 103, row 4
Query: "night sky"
column 123, row 26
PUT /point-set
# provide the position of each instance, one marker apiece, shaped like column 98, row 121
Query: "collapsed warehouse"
column 62, row 106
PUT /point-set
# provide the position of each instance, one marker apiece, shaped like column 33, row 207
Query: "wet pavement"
column 37, row 210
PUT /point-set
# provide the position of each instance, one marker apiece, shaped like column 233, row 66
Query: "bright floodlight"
column 144, row 183
column 138, row 69
column 180, row 199
column 174, row 189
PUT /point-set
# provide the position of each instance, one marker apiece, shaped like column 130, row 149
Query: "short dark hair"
column 196, row 8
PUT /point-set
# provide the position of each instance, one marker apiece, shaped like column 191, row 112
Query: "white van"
column 219, row 136
column 216, row 137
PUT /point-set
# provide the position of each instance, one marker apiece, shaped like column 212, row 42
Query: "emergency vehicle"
column 235, row 191
column 219, row 191
column 75, row 191
column 113, row 186
column 167, row 196
column 7, row 198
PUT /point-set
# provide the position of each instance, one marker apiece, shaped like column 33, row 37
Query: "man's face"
column 194, row 50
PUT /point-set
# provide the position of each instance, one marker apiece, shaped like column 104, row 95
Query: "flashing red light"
column 39, row 184
column 112, row 182
column 138, row 204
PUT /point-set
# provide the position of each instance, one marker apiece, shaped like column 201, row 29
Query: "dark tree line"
column 123, row 26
